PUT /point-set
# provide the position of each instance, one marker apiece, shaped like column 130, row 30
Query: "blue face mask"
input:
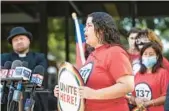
column 149, row 62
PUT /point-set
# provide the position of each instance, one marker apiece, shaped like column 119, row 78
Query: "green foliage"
column 56, row 35
column 158, row 24
column 56, row 40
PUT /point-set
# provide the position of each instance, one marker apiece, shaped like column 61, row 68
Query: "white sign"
column 23, row 72
column 85, row 71
column 143, row 91
column 69, row 81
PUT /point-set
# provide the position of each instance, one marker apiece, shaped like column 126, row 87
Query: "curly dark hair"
column 104, row 23
column 88, row 50
column 158, row 52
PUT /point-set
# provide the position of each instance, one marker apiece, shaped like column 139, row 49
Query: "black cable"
column 32, row 96
column 14, row 106
column 8, row 106
column 40, row 101
column 11, row 106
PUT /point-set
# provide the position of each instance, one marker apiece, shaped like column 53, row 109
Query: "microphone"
column 25, row 73
column 15, row 64
column 37, row 76
column 22, row 71
column 4, row 72
column 36, row 80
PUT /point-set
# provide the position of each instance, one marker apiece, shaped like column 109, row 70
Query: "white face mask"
column 149, row 62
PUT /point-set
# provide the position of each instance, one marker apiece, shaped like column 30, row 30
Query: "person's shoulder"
column 38, row 54
column 165, row 62
column 165, row 59
column 5, row 55
column 118, row 50
column 163, row 71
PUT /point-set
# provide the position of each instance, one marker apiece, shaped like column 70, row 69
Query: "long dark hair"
column 158, row 52
column 104, row 25
column 103, row 22
column 88, row 50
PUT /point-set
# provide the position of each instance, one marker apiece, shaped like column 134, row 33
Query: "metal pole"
column 43, row 30
column 67, row 32
column 133, row 12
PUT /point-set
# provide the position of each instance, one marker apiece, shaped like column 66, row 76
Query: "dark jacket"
column 33, row 59
column 166, row 105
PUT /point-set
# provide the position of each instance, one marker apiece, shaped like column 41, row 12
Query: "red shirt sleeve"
column 119, row 63
column 134, row 93
column 166, row 63
column 164, row 81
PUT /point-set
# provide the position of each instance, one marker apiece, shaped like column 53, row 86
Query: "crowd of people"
column 120, row 79
column 123, row 80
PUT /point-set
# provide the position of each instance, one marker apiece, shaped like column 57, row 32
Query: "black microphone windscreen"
column 39, row 70
column 7, row 65
column 16, row 63
column 25, row 64
column 2, row 67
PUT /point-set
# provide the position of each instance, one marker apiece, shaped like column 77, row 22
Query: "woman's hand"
column 142, row 101
column 139, row 101
column 148, row 103
column 56, row 91
column 87, row 93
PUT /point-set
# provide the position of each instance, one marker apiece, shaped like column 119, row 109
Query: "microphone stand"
column 16, row 102
column 3, row 93
column 11, row 90
column 32, row 97
column 20, row 103
column 29, row 105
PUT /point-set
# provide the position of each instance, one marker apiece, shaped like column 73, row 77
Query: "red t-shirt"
column 166, row 63
column 105, row 65
column 135, row 62
column 152, row 86
column 134, row 56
